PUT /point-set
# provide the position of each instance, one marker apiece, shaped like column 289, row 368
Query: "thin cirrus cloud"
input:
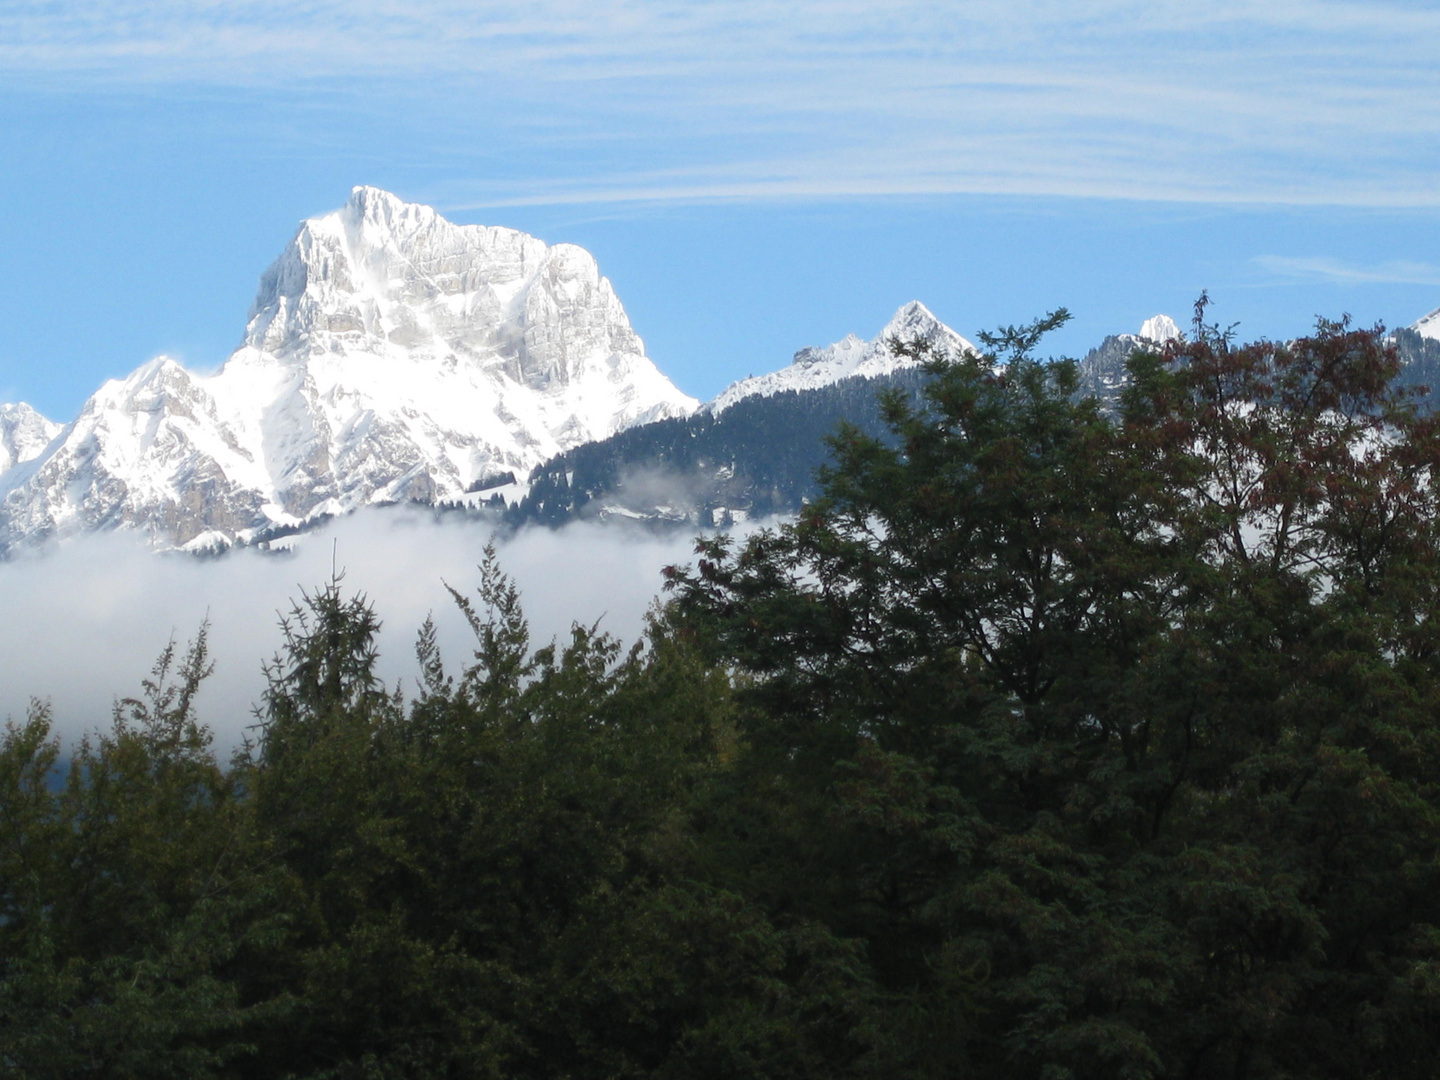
column 1335, row 271
column 1299, row 102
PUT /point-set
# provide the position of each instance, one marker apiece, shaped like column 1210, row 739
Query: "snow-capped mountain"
column 24, row 434
column 1429, row 326
column 1158, row 329
column 815, row 367
column 389, row 355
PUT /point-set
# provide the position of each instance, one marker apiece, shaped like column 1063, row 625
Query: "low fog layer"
column 82, row 625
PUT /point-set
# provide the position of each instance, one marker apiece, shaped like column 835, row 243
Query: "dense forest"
column 757, row 458
column 1053, row 740
column 760, row 457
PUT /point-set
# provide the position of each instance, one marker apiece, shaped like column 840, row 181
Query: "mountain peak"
column 850, row 356
column 390, row 355
column 24, row 434
column 372, row 216
column 914, row 321
column 1159, row 329
column 365, row 198
column 1428, row 326
column 910, row 318
column 381, row 274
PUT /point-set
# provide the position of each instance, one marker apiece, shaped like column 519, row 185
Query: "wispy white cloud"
column 1292, row 101
column 1336, row 271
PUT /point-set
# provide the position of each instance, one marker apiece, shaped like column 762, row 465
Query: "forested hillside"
column 759, row 457
column 756, row 458
column 1050, row 741
column 1420, row 362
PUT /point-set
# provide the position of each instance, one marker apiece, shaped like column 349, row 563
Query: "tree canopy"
column 1058, row 738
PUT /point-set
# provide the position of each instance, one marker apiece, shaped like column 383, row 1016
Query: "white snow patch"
column 1428, row 326
column 1159, row 329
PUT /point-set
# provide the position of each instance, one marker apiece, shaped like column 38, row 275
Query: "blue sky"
column 753, row 177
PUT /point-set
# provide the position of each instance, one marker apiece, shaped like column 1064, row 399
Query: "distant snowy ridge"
column 24, row 434
column 815, row 367
column 389, row 355
column 1428, row 326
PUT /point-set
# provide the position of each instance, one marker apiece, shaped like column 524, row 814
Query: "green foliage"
column 126, row 893
column 1056, row 739
column 1122, row 728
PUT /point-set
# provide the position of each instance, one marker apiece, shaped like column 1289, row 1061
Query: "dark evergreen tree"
column 126, row 894
column 1113, row 739
column 758, row 457
column 1054, row 739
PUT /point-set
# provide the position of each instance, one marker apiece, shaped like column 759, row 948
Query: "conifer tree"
column 1112, row 736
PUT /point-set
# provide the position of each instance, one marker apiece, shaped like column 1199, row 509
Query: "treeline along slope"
column 757, row 458
column 760, row 456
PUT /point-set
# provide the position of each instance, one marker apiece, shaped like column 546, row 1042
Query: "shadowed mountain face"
column 752, row 451
column 756, row 458
column 755, row 449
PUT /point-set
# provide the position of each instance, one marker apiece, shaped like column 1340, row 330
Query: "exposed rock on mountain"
column 390, row 355
column 1102, row 371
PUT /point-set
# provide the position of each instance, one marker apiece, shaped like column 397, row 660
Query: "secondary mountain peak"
column 1102, row 371
column 814, row 367
column 1428, row 326
column 1159, row 329
column 24, row 434
column 914, row 320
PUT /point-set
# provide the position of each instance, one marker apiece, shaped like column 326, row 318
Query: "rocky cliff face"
column 389, row 355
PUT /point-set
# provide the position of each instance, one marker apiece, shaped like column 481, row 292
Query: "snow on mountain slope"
column 1159, row 329
column 24, row 434
column 815, row 367
column 1429, row 326
column 389, row 355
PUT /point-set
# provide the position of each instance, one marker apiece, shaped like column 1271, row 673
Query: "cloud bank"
column 1297, row 101
column 82, row 624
